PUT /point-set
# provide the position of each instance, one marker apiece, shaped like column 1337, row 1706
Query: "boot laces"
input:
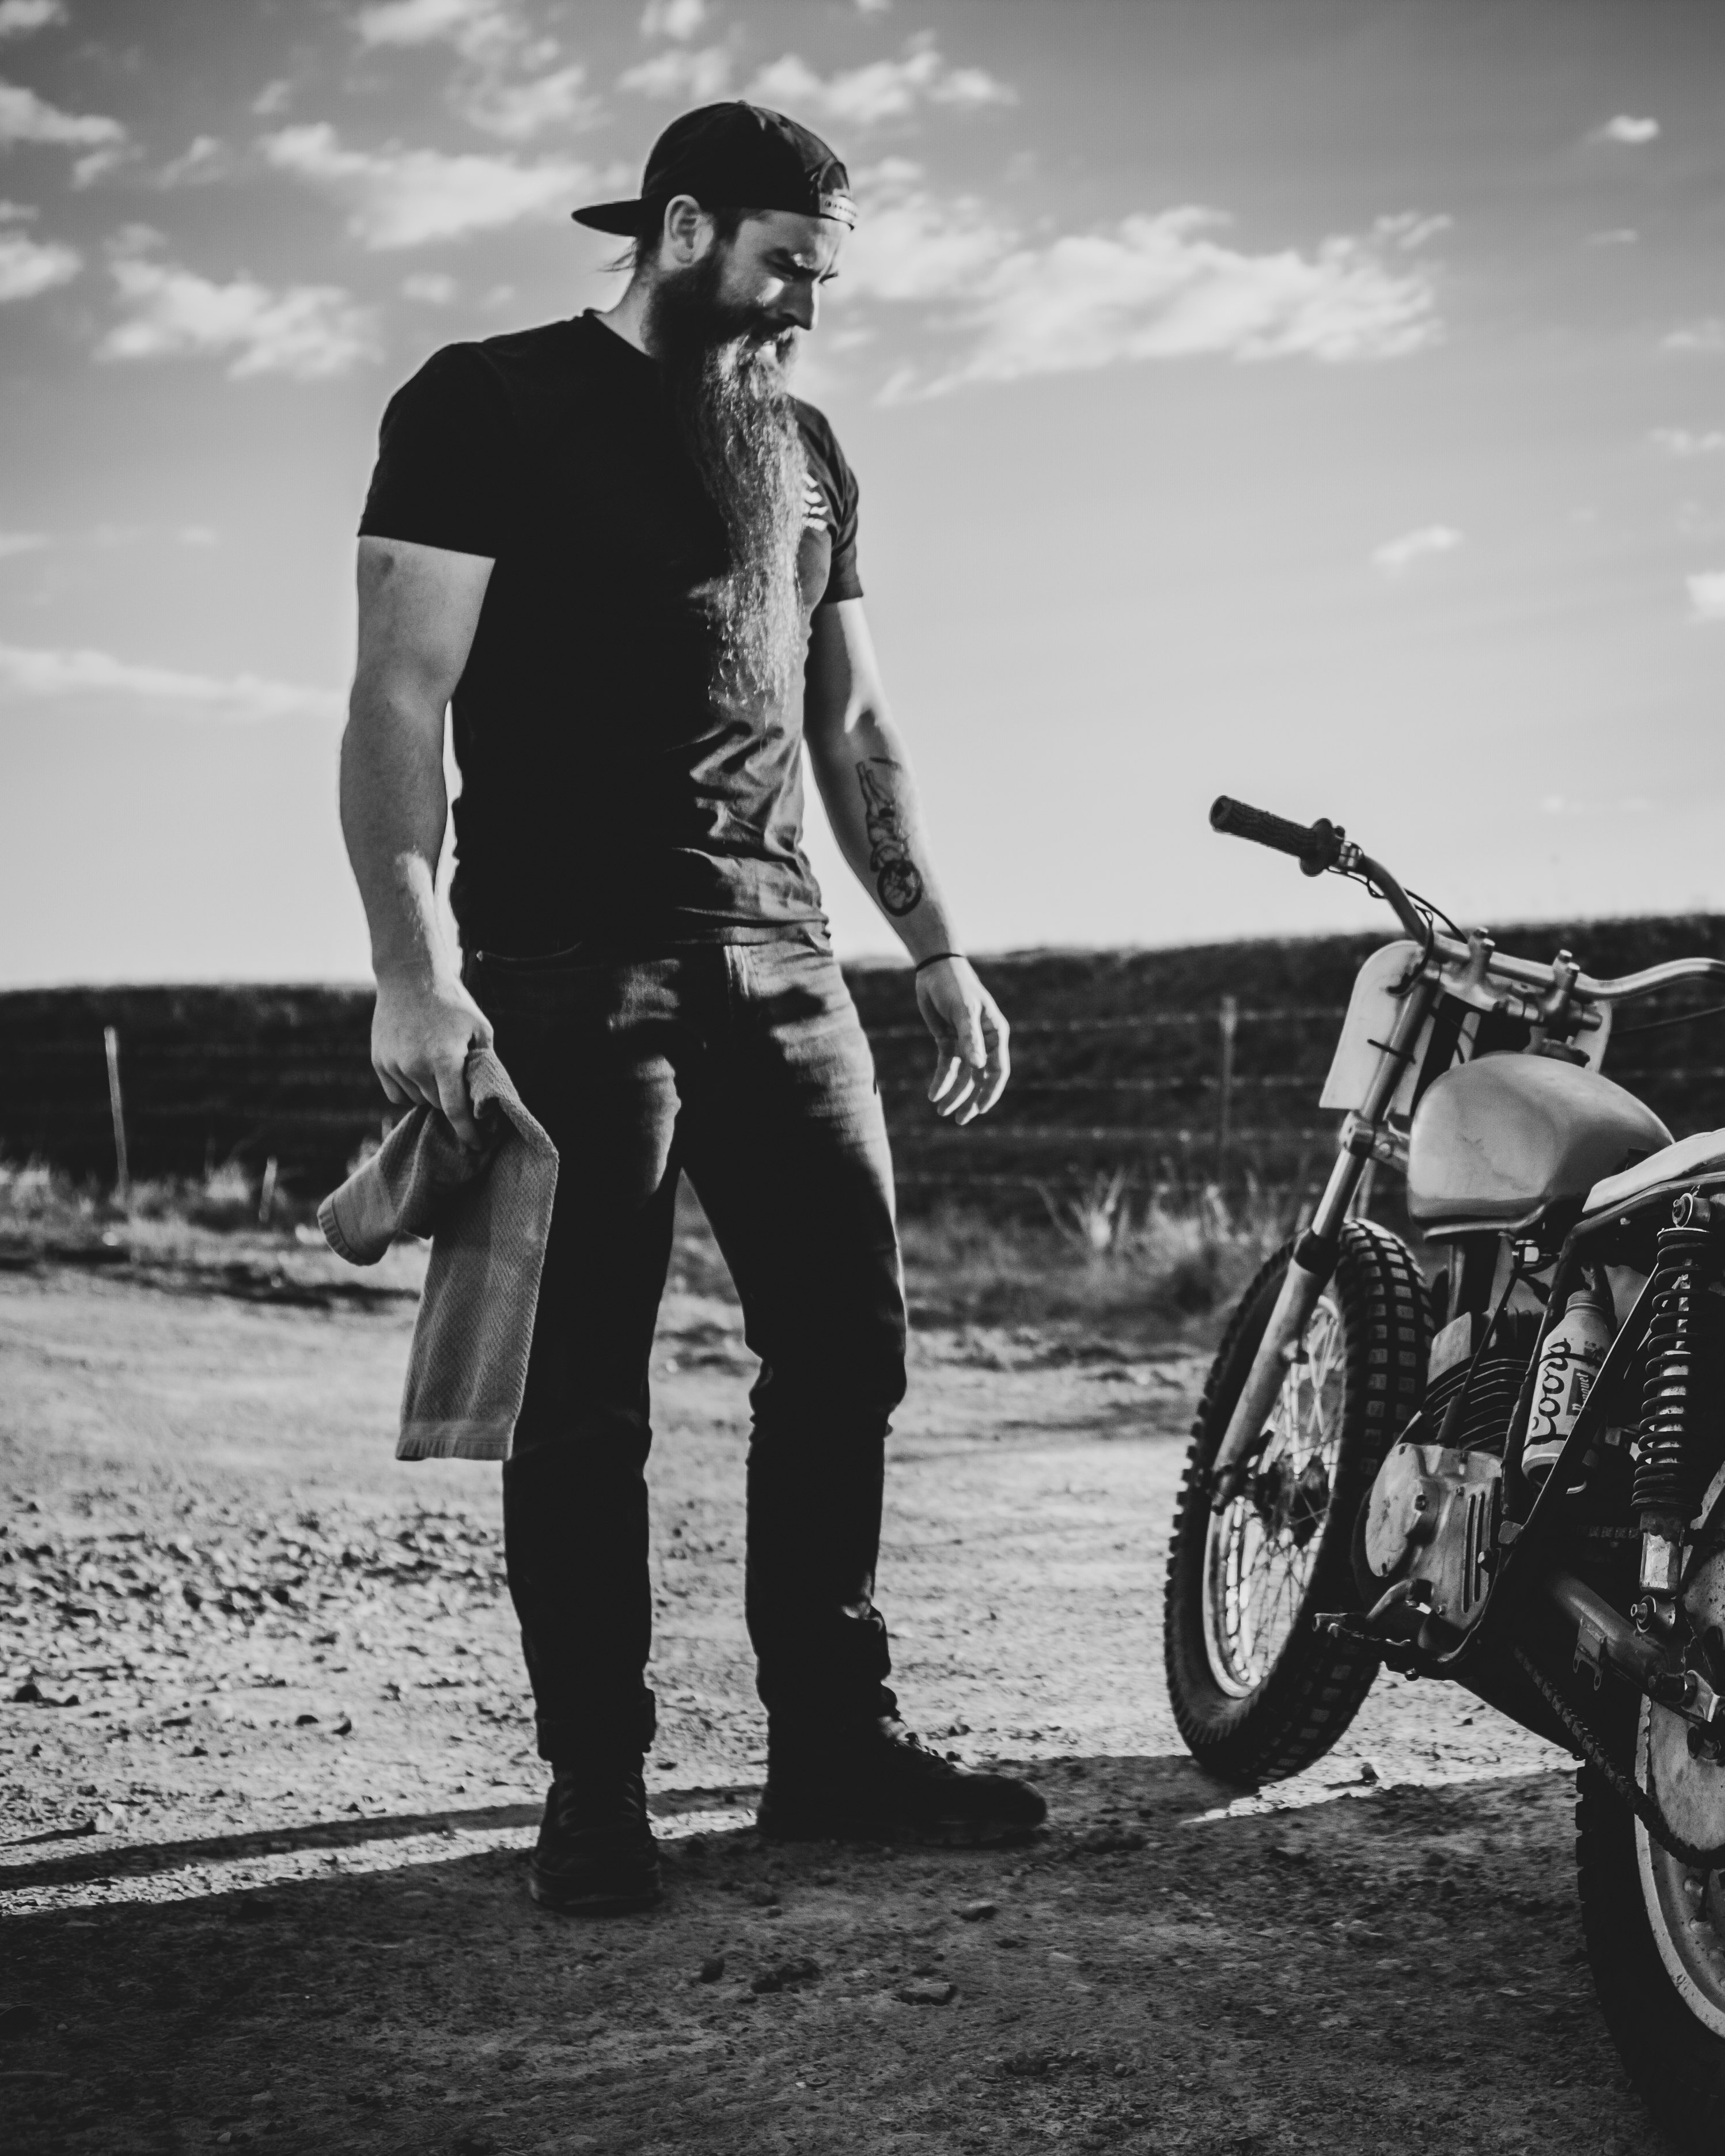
column 922, row 1758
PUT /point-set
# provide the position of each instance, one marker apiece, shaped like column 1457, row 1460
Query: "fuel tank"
column 1496, row 1141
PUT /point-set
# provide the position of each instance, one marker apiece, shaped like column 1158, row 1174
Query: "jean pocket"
column 505, row 965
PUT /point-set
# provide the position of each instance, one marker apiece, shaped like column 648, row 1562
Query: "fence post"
column 1228, row 1017
column 116, row 1108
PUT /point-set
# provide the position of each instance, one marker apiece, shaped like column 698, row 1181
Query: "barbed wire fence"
column 1218, row 1093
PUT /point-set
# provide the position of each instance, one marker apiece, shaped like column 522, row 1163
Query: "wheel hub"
column 1686, row 1907
column 1311, row 1501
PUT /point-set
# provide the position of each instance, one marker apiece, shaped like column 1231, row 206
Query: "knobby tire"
column 1316, row 1685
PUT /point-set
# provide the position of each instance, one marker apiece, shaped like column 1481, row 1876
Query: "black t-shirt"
column 607, row 796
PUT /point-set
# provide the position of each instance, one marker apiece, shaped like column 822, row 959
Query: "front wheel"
column 1257, row 1693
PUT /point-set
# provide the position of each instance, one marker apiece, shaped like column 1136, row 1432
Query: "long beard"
column 727, row 385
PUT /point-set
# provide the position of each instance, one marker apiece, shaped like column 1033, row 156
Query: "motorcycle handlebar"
column 1321, row 845
column 1316, row 846
column 1626, row 987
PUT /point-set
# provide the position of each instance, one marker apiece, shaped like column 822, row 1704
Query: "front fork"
column 1366, row 1137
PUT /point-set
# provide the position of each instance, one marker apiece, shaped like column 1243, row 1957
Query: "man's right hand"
column 421, row 1034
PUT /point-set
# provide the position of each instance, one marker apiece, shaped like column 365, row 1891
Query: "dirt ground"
column 268, row 1774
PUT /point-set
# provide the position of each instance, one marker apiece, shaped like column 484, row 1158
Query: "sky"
column 1321, row 402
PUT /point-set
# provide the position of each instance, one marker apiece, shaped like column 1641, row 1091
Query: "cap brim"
column 622, row 217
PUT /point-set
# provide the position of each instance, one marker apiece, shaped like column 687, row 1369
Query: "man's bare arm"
column 863, row 773
column 419, row 607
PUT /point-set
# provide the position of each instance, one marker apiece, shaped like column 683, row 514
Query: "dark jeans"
column 745, row 1066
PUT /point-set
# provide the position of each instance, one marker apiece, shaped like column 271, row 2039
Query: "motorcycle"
column 1511, row 1476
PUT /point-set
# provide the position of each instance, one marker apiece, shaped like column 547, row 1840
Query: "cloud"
column 881, row 91
column 109, row 536
column 1624, row 128
column 1699, row 520
column 1395, row 557
column 1680, row 442
column 912, row 245
column 204, row 160
column 431, row 288
column 18, row 18
column 37, row 675
column 472, row 27
column 273, row 98
column 674, row 18
column 1705, row 336
column 24, row 117
column 1410, row 229
column 1620, row 235
column 517, row 110
column 400, row 197
column 1159, row 285
column 29, row 266
column 1707, row 595
column 308, row 332
column 507, row 85
column 697, row 76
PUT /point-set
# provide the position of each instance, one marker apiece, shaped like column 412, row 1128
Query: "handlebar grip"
column 1316, row 846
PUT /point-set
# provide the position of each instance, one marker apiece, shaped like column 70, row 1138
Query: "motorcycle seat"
column 1699, row 1155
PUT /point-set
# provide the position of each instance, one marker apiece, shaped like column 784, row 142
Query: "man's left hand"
column 971, row 1062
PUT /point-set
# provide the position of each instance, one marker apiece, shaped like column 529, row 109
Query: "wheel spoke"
column 1258, row 1571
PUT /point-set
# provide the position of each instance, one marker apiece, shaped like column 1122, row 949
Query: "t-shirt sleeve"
column 843, row 580
column 445, row 469
column 838, row 483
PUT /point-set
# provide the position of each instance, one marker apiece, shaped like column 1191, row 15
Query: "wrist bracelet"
column 937, row 959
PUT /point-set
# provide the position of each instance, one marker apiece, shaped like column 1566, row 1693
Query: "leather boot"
column 596, row 1856
column 872, row 1781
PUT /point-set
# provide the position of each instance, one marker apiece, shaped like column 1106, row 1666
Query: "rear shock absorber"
column 1678, row 1410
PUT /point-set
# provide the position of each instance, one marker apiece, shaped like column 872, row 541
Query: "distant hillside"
column 1116, row 1064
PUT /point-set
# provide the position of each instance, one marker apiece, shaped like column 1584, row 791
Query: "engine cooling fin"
column 1497, row 1386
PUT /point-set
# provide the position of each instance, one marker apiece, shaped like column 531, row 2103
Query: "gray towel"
column 488, row 1213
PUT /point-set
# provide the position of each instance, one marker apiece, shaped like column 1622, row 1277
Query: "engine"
column 1484, row 1420
column 1430, row 1522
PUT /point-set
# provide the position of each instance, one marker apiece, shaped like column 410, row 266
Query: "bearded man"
column 627, row 554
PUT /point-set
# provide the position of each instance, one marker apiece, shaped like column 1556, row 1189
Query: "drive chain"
column 1643, row 1803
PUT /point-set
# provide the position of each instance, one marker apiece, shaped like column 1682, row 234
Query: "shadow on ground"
column 1400, row 1969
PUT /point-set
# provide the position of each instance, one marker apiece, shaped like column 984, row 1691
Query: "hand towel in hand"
column 487, row 1213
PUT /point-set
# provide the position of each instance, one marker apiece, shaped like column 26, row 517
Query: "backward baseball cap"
column 734, row 156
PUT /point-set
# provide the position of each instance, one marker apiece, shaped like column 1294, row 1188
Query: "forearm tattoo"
column 895, row 874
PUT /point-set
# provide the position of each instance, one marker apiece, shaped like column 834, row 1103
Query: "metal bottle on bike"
column 1568, row 1362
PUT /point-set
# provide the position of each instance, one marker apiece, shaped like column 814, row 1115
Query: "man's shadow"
column 1166, row 1966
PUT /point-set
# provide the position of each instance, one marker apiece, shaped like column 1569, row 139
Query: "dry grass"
column 1162, row 1265
column 1170, row 1261
column 37, row 1201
